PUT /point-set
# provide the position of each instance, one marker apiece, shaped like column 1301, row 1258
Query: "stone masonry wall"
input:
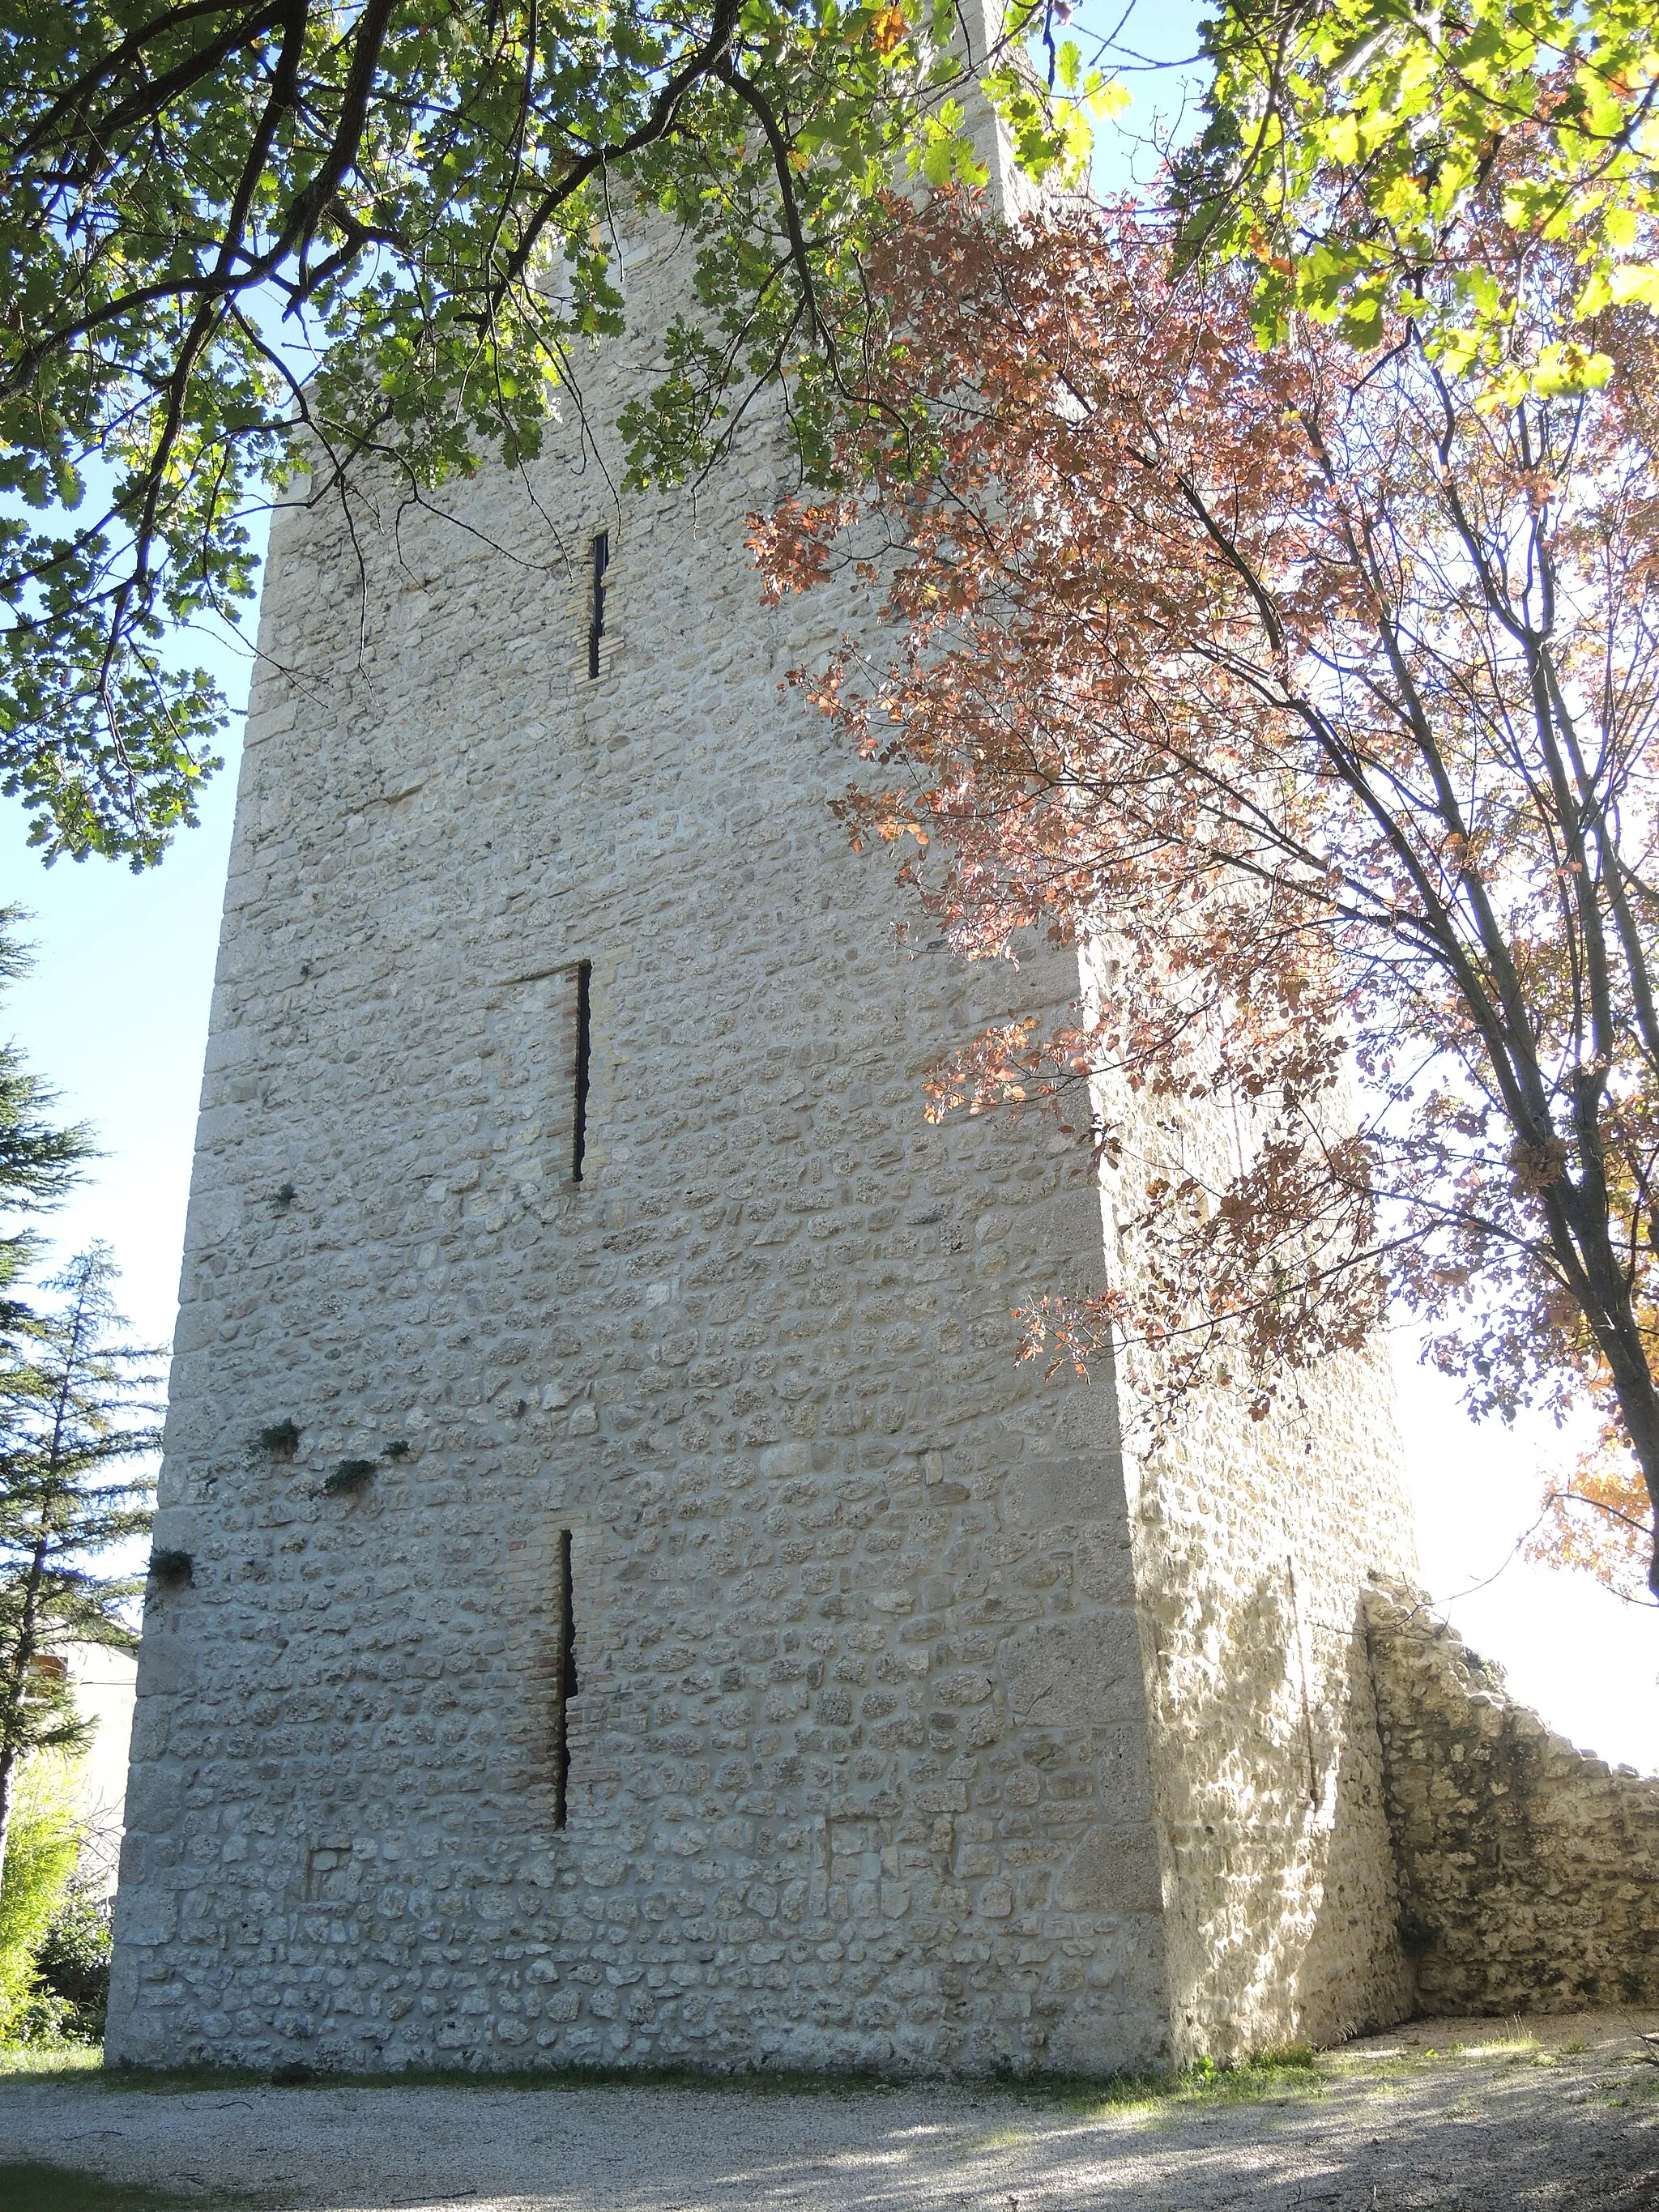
column 858, row 1759
column 1529, row 1870
column 1254, row 1543
column 917, row 1724
column 1282, row 1920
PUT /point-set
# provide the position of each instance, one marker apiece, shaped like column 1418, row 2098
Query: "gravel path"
column 1499, row 2118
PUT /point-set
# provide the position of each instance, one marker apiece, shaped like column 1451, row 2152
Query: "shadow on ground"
column 1447, row 2116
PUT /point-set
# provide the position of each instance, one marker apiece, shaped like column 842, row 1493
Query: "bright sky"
column 115, row 1017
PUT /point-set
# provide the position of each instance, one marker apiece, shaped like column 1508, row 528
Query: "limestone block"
column 1078, row 1672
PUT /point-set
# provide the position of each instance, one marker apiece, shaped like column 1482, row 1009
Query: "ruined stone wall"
column 1529, row 1870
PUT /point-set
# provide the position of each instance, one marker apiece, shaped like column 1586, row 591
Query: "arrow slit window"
column 600, row 559
column 567, row 1685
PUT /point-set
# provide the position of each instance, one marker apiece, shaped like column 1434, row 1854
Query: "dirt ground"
column 1482, row 2115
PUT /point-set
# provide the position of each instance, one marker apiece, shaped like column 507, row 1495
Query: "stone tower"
column 636, row 1607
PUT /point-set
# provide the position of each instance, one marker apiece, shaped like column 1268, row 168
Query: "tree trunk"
column 7, row 1765
column 1639, row 1403
column 1610, row 1311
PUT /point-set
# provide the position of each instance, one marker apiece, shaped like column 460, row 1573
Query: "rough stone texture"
column 758, row 1362
column 917, row 1724
column 1529, row 1870
column 1254, row 1540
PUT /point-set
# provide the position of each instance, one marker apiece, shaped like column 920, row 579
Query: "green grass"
column 1273, row 2073
column 50, row 2058
column 85, row 2062
column 1000, row 2139
column 1270, row 2074
column 1378, row 2066
column 1295, row 2070
column 62, row 2188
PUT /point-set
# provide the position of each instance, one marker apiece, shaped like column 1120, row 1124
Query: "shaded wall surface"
column 1528, row 1871
column 1254, row 1539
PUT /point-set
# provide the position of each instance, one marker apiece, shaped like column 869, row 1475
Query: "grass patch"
column 169, row 2079
column 765, row 2081
column 63, row 2189
column 1292, row 2071
column 1271, row 2074
column 50, row 2058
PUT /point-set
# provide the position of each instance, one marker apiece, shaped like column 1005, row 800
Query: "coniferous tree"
column 38, row 1163
column 60, row 1389
column 66, row 1498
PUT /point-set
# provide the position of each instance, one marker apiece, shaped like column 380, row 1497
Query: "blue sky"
column 115, row 1017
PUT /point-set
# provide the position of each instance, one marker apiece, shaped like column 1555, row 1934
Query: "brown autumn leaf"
column 1316, row 704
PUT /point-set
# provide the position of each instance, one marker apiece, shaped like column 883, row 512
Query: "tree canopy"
column 1352, row 149
column 40, row 1159
column 1316, row 694
column 1317, row 674
column 64, row 1427
column 223, row 216
column 67, row 1437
